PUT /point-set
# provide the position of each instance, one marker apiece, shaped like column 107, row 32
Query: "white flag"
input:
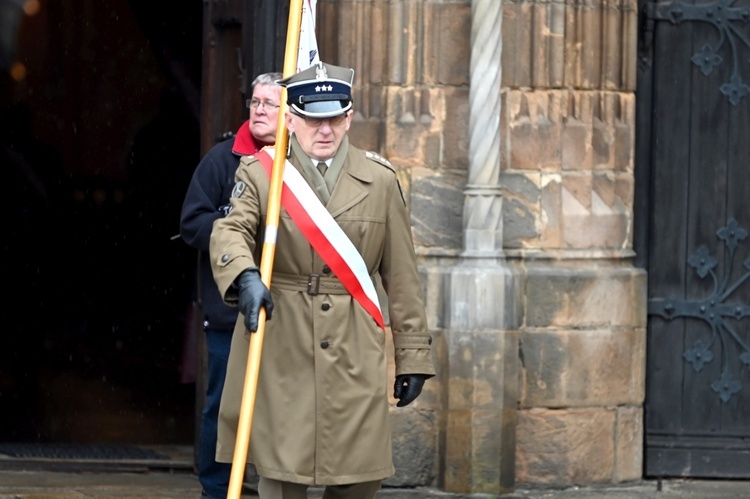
column 308, row 44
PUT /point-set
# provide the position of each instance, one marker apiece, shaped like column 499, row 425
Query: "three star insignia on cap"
column 324, row 88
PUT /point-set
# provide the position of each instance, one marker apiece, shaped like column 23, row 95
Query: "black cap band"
column 317, row 98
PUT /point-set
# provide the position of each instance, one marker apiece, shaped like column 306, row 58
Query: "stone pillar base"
column 481, row 374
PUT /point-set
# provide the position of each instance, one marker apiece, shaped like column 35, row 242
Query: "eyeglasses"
column 255, row 104
column 317, row 122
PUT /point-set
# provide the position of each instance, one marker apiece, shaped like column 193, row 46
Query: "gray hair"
column 266, row 79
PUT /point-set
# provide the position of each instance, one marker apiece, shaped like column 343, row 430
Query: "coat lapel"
column 351, row 187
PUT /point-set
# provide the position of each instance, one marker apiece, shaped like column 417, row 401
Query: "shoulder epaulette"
column 248, row 158
column 382, row 161
column 379, row 159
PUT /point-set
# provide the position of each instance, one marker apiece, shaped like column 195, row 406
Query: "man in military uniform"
column 321, row 410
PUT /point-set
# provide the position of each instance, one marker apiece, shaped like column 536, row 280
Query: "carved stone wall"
column 411, row 61
column 540, row 344
column 411, row 99
column 567, row 154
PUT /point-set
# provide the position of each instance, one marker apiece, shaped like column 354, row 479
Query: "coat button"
column 324, row 344
column 326, row 269
column 325, row 306
column 224, row 258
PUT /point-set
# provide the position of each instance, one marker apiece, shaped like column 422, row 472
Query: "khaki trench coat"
column 321, row 409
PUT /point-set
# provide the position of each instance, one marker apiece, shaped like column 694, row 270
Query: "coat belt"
column 313, row 284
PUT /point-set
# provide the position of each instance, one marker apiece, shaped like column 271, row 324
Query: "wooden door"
column 691, row 234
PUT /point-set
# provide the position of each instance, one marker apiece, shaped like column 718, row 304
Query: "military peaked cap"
column 320, row 91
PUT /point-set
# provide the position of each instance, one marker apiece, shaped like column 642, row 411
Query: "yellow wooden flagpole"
column 239, row 460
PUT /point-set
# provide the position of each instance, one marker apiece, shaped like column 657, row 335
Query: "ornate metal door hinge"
column 730, row 21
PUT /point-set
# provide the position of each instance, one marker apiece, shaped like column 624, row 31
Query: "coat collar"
column 244, row 142
column 351, row 185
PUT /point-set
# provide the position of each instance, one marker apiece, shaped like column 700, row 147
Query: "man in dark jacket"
column 207, row 200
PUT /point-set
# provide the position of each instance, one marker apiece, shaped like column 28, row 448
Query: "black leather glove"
column 252, row 295
column 407, row 388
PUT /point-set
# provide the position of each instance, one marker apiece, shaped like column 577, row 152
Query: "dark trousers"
column 214, row 477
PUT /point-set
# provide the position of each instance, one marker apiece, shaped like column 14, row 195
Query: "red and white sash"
column 325, row 235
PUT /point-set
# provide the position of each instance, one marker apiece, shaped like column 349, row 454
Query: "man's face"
column 264, row 112
column 320, row 138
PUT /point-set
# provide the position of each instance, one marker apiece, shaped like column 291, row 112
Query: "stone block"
column 583, row 45
column 365, row 133
column 568, row 210
column 377, row 40
column 548, row 54
column 625, row 192
column 433, row 151
column 577, row 186
column 458, row 449
column 584, row 295
column 624, row 146
column 630, row 34
column 550, row 218
column 585, row 231
column 414, row 447
column 435, row 282
column 576, row 368
column 589, row 35
column 505, row 120
column 629, row 444
column 576, row 145
column 534, row 129
column 565, row 447
column 484, row 370
column 445, row 43
column 585, row 203
column 480, row 451
column 521, row 206
column 434, row 393
column 368, row 103
column 484, row 298
column 603, row 186
column 461, row 370
column 517, row 44
column 436, row 203
column 602, row 144
column 455, row 151
column 483, row 222
column 481, row 411
column 414, row 117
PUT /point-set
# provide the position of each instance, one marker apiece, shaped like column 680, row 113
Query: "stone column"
column 483, row 293
column 483, row 205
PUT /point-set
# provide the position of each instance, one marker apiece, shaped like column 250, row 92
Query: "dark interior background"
column 99, row 135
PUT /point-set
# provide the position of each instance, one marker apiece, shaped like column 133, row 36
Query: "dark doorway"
column 99, row 137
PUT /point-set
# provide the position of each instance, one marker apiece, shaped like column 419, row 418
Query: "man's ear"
column 289, row 122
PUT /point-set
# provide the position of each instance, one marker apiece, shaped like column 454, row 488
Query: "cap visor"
column 322, row 109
